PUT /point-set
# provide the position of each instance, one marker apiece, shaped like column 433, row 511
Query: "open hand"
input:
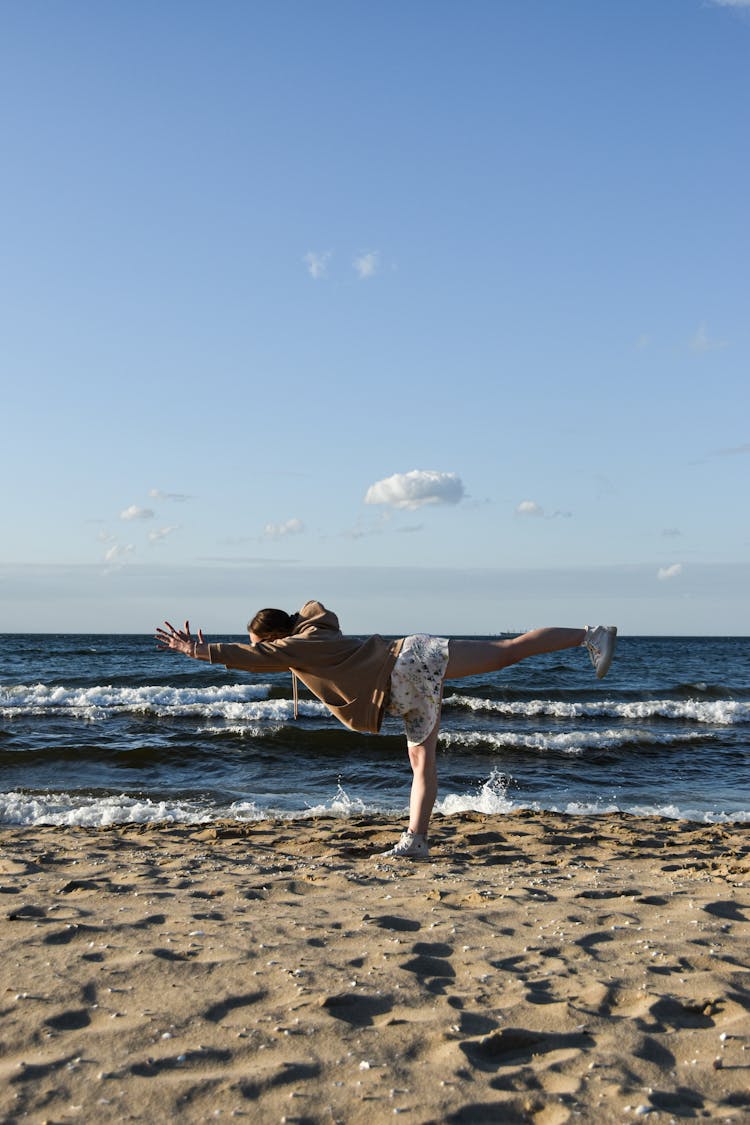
column 178, row 640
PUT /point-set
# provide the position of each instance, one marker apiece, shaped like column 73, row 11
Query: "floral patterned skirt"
column 417, row 684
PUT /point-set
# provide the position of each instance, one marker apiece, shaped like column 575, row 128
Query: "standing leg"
column 423, row 758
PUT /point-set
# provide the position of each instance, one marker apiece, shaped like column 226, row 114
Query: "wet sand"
column 538, row 968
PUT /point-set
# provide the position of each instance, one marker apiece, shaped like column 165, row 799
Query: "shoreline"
column 540, row 967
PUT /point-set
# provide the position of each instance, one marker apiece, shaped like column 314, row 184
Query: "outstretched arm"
column 181, row 640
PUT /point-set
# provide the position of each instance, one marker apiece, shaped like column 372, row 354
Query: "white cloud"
column 317, row 263
column 162, row 533
column 702, row 342
column 118, row 553
column 157, row 494
column 666, row 572
column 366, row 265
column 279, row 530
column 416, row 488
column 529, row 508
column 730, row 3
column 135, row 513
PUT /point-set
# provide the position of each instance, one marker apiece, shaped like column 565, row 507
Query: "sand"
column 538, row 968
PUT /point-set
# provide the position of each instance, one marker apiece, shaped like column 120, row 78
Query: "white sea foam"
column 670, row 812
column 253, row 719
column 574, row 743
column 71, row 810
column 341, row 804
column 722, row 712
column 238, row 701
column 491, row 798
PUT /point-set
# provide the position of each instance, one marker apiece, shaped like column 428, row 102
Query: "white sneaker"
column 600, row 643
column 412, row 844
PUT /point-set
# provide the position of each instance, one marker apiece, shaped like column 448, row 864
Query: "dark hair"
column 271, row 624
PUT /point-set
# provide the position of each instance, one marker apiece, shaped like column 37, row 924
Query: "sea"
column 99, row 729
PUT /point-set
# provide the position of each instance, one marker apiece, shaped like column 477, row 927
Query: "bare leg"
column 423, row 758
column 471, row 658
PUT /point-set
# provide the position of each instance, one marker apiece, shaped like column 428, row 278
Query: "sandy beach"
column 538, row 968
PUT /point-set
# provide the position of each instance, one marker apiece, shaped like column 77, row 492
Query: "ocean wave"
column 76, row 810
column 72, row 810
column 491, row 797
column 227, row 701
column 668, row 811
column 574, row 743
column 720, row 712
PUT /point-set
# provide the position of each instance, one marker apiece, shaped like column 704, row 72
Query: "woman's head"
column 271, row 624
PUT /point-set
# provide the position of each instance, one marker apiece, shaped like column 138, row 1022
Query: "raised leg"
column 472, row 658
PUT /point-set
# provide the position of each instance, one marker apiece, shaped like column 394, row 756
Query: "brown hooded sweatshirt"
column 349, row 675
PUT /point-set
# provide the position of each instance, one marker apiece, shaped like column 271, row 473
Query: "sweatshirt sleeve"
column 248, row 658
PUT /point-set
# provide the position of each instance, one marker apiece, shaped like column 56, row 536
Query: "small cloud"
column 643, row 342
column 135, row 513
column 666, row 572
column 162, row 533
column 415, row 489
column 279, row 530
column 671, row 532
column 409, row 529
column 317, row 263
column 529, row 508
column 366, row 265
column 118, row 553
column 179, row 497
column 702, row 342
column 105, row 537
column 730, row 3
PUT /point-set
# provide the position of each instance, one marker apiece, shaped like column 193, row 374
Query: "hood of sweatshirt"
column 313, row 618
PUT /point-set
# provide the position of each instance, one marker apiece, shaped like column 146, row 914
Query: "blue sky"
column 435, row 311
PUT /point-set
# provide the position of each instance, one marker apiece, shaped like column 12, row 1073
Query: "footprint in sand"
column 394, row 922
column 217, row 1012
column 652, row 1051
column 356, row 1008
column 431, row 966
column 729, row 911
column 73, row 1020
column 513, row 1046
column 669, row 1013
column 589, row 943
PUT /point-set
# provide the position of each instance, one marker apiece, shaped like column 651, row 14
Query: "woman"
column 360, row 681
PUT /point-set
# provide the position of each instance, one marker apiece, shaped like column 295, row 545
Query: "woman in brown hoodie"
column 360, row 679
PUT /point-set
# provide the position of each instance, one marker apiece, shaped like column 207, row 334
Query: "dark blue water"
column 97, row 729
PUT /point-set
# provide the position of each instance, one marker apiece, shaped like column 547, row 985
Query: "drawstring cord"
column 295, row 694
